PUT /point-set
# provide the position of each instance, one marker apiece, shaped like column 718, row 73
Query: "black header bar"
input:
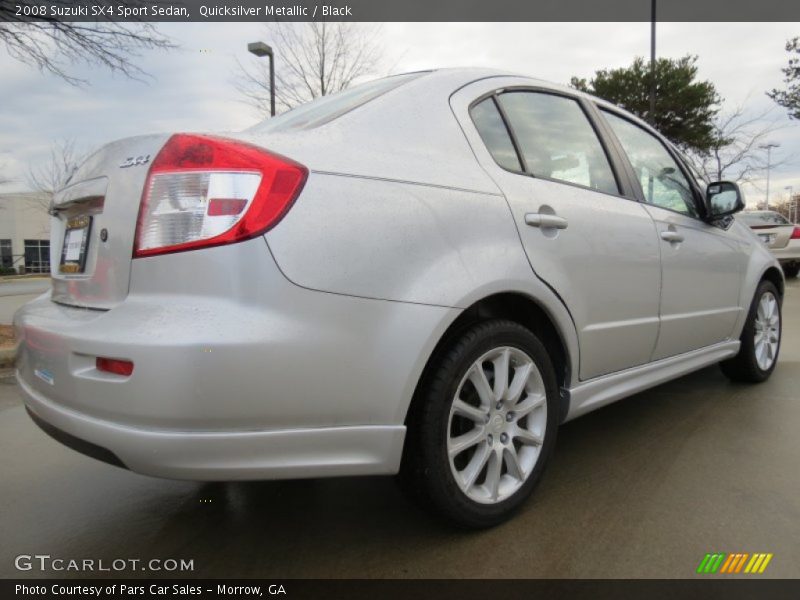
column 400, row 10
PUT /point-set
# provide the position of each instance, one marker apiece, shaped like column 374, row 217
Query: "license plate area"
column 76, row 245
column 767, row 238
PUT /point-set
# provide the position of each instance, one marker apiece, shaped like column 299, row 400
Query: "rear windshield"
column 764, row 218
column 326, row 109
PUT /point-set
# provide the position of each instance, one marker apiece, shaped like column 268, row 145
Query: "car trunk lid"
column 94, row 223
column 774, row 236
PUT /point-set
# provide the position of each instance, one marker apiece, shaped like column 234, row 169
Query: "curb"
column 23, row 277
column 7, row 355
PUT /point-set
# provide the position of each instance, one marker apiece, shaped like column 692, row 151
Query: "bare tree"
column 52, row 45
column 311, row 60
column 784, row 207
column 735, row 153
column 54, row 174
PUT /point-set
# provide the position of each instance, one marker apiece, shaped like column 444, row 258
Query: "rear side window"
column 557, row 140
column 663, row 183
column 494, row 134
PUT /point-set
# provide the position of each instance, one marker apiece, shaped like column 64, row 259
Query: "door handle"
column 545, row 221
column 671, row 236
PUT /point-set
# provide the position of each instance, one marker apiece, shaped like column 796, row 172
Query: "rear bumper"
column 223, row 455
column 244, row 376
column 789, row 253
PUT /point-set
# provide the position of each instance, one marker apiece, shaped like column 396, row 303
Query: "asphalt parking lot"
column 643, row 488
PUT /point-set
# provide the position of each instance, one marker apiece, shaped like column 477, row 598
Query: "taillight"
column 205, row 191
column 796, row 233
column 114, row 365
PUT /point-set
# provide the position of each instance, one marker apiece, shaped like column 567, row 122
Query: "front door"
column 701, row 263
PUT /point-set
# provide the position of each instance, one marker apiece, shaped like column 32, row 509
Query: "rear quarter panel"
column 397, row 241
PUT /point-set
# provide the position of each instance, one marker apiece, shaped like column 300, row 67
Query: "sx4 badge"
column 135, row 161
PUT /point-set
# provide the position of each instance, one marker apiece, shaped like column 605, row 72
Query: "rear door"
column 595, row 247
column 701, row 263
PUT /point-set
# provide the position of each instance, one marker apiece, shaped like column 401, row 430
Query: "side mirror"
column 723, row 198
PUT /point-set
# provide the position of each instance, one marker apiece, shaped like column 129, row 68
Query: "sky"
column 192, row 88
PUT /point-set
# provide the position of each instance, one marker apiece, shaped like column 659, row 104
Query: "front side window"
column 557, row 140
column 493, row 131
column 700, row 179
column 663, row 183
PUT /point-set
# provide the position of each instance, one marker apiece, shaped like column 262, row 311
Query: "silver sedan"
column 424, row 275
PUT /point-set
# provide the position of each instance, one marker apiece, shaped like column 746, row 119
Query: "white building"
column 24, row 232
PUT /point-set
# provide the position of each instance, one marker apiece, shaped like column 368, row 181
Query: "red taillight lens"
column 205, row 191
column 113, row 365
column 796, row 233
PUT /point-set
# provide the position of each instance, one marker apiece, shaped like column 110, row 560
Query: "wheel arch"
column 514, row 306
column 759, row 266
column 774, row 275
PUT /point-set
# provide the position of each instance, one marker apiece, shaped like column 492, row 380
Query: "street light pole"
column 792, row 204
column 652, row 114
column 768, row 148
column 260, row 49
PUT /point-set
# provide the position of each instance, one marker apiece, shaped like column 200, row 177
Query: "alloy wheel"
column 497, row 424
column 767, row 331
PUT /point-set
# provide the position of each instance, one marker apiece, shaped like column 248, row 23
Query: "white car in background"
column 780, row 235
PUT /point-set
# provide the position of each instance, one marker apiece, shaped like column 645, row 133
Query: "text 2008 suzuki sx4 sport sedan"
column 424, row 275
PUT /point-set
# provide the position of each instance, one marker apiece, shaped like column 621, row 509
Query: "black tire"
column 744, row 366
column 425, row 473
column 791, row 271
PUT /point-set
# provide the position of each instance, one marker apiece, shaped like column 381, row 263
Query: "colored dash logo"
column 735, row 562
